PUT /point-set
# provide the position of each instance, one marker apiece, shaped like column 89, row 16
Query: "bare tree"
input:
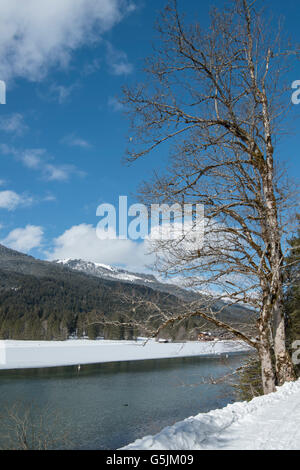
column 152, row 318
column 24, row 428
column 216, row 100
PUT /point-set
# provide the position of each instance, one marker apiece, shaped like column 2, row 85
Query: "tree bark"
column 267, row 370
column 283, row 363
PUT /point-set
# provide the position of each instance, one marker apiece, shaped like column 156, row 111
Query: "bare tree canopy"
column 216, row 99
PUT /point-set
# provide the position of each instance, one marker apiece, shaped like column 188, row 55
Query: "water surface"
column 107, row 406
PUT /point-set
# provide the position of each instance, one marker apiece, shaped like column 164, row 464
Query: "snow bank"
column 268, row 422
column 30, row 354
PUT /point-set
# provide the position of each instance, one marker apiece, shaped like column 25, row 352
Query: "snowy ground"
column 30, row 354
column 269, row 422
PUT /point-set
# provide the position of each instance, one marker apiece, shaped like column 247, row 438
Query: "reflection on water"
column 106, row 406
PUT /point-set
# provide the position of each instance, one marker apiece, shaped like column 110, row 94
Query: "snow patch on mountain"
column 106, row 271
column 105, row 266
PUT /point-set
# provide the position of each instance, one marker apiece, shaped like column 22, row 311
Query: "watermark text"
column 2, row 92
column 157, row 222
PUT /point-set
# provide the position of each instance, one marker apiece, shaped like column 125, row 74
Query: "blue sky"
column 62, row 132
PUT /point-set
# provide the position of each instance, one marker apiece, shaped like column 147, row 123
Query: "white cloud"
column 38, row 160
column 118, row 61
column 32, row 158
column 10, row 200
column 60, row 172
column 36, row 35
column 73, row 141
column 60, row 93
column 24, row 239
column 114, row 104
column 49, row 198
column 80, row 241
column 13, row 123
column 91, row 67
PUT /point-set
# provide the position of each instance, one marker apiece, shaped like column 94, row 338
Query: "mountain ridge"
column 53, row 300
column 149, row 280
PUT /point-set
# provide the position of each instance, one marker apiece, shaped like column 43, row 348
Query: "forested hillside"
column 42, row 300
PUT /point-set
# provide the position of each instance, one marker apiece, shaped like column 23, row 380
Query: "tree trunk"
column 265, row 355
column 284, row 366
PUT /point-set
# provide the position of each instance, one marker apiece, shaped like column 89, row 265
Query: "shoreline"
column 18, row 354
column 267, row 422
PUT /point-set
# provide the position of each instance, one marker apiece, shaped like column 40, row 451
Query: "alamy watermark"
column 296, row 93
column 157, row 222
column 2, row 92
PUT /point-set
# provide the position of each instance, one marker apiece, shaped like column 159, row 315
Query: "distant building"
column 204, row 336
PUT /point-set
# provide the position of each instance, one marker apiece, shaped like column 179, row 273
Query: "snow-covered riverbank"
column 266, row 423
column 31, row 354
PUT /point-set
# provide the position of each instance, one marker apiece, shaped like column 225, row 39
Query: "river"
column 107, row 406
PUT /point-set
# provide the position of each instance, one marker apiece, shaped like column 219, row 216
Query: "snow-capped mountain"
column 106, row 271
column 112, row 273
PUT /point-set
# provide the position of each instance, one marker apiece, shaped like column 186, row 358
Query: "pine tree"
column 292, row 304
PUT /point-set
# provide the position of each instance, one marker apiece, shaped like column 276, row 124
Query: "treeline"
column 40, row 300
column 66, row 303
column 48, row 309
column 292, row 296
